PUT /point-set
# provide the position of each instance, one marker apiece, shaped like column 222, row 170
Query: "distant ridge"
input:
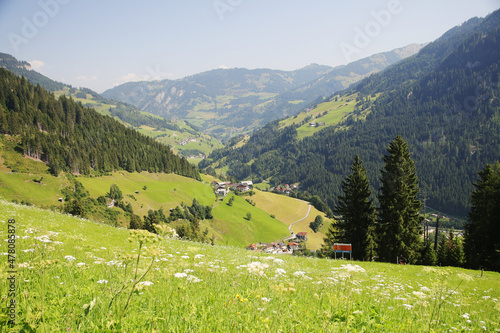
column 226, row 102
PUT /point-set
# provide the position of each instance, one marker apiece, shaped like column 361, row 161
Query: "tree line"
column 393, row 230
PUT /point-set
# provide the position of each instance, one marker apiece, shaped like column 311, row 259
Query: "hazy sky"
column 101, row 43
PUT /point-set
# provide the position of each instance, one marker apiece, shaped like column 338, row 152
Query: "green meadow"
column 74, row 275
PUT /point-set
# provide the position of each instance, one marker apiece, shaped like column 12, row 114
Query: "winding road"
column 307, row 214
column 290, row 226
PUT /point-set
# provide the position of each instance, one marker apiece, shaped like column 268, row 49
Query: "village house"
column 252, row 247
column 302, row 236
column 274, row 248
column 222, row 191
column 222, row 188
column 247, row 183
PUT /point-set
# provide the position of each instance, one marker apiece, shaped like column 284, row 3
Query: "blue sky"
column 99, row 44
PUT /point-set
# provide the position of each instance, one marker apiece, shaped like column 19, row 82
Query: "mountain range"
column 227, row 102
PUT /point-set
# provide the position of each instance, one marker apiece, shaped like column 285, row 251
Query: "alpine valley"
column 229, row 200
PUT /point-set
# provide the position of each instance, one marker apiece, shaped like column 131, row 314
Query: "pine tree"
column 429, row 256
column 399, row 221
column 357, row 213
column 482, row 241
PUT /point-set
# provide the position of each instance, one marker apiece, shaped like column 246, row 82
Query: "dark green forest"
column 444, row 101
column 72, row 138
column 21, row 68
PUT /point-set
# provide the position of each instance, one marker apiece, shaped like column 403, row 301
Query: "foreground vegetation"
column 76, row 275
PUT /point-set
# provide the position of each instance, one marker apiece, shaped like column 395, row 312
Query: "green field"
column 330, row 113
column 73, row 275
column 288, row 210
column 260, row 228
column 30, row 183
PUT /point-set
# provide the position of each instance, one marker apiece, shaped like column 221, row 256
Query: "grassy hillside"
column 75, row 275
column 233, row 223
column 30, row 183
column 329, row 113
column 289, row 210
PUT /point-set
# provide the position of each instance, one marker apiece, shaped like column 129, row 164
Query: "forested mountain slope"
column 173, row 133
column 73, row 138
column 444, row 101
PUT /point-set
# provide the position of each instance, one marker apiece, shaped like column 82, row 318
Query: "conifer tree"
column 482, row 233
column 429, row 256
column 399, row 221
column 357, row 213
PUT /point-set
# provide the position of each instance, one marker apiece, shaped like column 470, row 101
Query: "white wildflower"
column 299, row 273
column 180, row 275
column 466, row 315
column 256, row 268
column 81, row 264
column 146, row 283
column 69, row 258
column 185, row 257
column 408, row 306
column 352, row 268
column 43, row 239
column 199, row 256
column 280, row 271
column 265, row 299
column 193, row 279
column 419, row 294
column 102, row 281
column 465, row 277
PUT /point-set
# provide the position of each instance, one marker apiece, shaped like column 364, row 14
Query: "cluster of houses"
column 315, row 124
column 223, row 188
column 186, row 141
column 274, row 248
column 285, row 189
column 280, row 248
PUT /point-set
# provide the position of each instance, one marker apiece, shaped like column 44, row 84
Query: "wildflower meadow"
column 74, row 275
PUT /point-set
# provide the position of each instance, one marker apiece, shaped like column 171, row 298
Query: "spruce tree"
column 399, row 221
column 428, row 256
column 482, row 233
column 356, row 212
